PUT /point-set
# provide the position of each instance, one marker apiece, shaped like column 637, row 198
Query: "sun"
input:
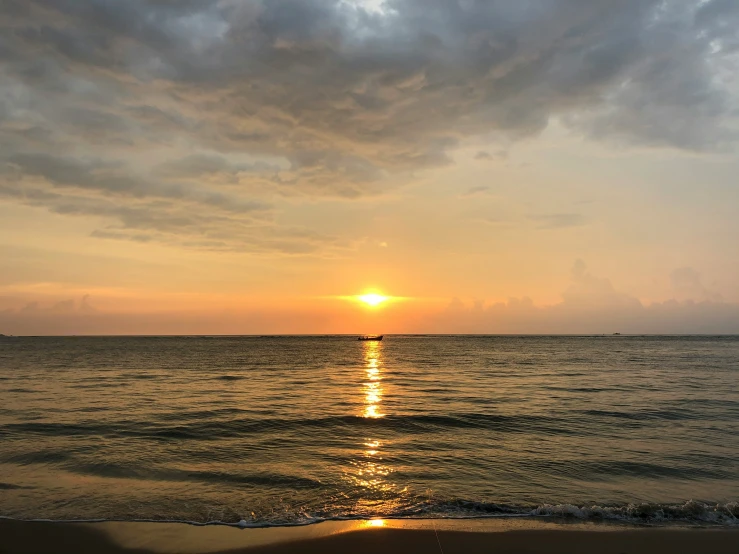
column 372, row 299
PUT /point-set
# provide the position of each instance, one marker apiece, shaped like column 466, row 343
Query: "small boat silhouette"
column 370, row 337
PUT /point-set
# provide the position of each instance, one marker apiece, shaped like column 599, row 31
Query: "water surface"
column 274, row 430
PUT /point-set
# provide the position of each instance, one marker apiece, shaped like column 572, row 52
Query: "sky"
column 250, row 166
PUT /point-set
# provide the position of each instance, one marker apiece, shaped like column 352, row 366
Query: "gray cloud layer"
column 177, row 121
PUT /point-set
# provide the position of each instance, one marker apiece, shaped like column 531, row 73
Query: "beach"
column 360, row 537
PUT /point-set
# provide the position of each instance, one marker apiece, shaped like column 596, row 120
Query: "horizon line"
column 278, row 335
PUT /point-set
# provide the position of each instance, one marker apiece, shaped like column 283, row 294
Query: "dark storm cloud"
column 335, row 99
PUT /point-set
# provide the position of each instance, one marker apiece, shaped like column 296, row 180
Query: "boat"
column 370, row 337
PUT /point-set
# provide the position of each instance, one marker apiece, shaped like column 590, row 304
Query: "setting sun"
column 373, row 299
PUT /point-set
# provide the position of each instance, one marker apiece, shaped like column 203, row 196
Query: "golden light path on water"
column 372, row 385
column 369, row 473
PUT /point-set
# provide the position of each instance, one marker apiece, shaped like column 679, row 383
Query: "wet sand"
column 380, row 537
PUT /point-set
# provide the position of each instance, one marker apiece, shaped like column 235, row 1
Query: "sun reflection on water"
column 375, row 523
column 372, row 386
column 370, row 472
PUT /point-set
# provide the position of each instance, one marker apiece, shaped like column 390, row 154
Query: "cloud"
column 86, row 306
column 499, row 155
column 592, row 292
column 558, row 220
column 64, row 306
column 31, row 307
column 497, row 221
column 686, row 283
column 144, row 210
column 106, row 179
column 476, row 191
column 204, row 110
column 589, row 305
column 200, row 165
column 60, row 307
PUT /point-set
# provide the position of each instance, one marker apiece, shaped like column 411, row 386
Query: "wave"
column 642, row 513
column 237, row 427
column 11, row 486
column 645, row 415
column 691, row 511
column 128, row 471
column 688, row 513
column 211, row 425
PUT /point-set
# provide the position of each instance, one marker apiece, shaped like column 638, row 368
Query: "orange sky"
column 239, row 168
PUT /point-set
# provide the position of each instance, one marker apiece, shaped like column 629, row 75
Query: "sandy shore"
column 383, row 537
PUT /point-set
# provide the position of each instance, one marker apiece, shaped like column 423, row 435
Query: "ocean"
column 261, row 431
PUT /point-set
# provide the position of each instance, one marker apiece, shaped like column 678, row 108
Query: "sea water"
column 292, row 430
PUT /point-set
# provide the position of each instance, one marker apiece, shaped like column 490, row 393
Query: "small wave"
column 654, row 470
column 646, row 415
column 580, row 389
column 238, row 427
column 11, row 487
column 131, row 471
column 689, row 513
column 37, row 457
